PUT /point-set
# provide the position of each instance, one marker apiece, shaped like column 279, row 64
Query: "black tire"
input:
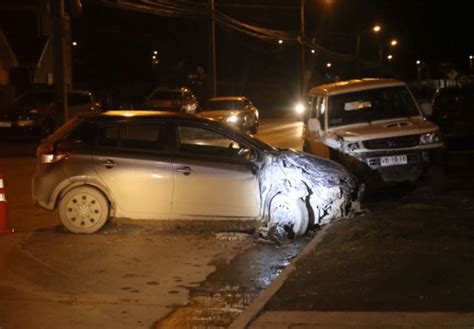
column 84, row 210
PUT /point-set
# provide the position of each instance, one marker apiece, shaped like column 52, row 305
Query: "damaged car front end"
column 298, row 190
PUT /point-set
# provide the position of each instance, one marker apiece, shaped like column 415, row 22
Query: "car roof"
column 228, row 98
column 113, row 115
column 341, row 87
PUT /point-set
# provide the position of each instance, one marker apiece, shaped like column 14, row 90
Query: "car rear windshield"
column 371, row 105
column 224, row 105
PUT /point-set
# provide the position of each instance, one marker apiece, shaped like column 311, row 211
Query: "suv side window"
column 148, row 137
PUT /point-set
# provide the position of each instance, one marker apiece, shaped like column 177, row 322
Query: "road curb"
column 252, row 312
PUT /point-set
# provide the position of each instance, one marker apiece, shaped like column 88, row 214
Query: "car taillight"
column 46, row 153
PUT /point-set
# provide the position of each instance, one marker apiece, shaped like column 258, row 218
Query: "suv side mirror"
column 427, row 109
column 314, row 125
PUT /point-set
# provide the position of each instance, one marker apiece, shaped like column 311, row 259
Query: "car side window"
column 133, row 136
column 202, row 141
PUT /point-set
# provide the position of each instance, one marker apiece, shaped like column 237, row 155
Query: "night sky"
column 115, row 45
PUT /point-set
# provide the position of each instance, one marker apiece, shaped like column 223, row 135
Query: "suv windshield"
column 371, row 105
column 223, row 105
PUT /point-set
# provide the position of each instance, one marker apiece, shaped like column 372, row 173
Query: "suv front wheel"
column 84, row 210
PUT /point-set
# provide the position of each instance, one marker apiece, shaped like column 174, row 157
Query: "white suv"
column 373, row 127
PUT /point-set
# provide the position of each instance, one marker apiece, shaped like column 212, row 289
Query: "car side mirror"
column 314, row 125
column 427, row 109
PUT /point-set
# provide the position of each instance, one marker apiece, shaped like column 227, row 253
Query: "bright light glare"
column 377, row 28
column 328, row 64
column 418, row 62
column 471, row 57
column 280, row 41
column 232, row 119
column 299, row 108
column 313, row 51
column 74, row 43
column 155, row 52
column 389, row 57
column 393, row 43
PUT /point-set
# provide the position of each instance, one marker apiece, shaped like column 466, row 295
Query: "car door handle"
column 107, row 163
column 185, row 170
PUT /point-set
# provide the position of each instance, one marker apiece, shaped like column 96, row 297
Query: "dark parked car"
column 453, row 112
column 33, row 114
column 152, row 165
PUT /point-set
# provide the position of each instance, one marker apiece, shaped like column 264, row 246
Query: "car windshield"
column 224, row 105
column 160, row 94
column 371, row 105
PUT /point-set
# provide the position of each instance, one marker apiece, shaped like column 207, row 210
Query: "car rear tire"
column 84, row 210
column 287, row 213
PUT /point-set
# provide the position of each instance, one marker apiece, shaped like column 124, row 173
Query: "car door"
column 131, row 161
column 210, row 177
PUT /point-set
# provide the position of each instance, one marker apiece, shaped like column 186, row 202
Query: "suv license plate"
column 393, row 160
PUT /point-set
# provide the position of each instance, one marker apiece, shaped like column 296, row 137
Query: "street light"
column 377, row 28
column 328, row 65
column 471, row 58
column 393, row 42
column 389, row 57
column 418, row 70
column 280, row 41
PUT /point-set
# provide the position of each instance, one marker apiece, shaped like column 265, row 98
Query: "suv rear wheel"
column 83, row 210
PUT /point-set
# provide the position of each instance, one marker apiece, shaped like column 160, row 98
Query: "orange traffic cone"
column 3, row 209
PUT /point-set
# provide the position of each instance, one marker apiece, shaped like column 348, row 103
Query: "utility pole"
column 59, row 51
column 357, row 54
column 303, row 64
column 212, row 49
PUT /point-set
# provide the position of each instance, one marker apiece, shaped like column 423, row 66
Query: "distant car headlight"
column 232, row 119
column 299, row 108
column 430, row 138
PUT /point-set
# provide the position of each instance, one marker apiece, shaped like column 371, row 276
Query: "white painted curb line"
column 255, row 308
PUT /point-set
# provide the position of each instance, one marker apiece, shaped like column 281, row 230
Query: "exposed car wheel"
column 83, row 210
column 286, row 213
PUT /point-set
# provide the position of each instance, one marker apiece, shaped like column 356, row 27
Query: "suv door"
column 131, row 161
column 315, row 139
column 211, row 178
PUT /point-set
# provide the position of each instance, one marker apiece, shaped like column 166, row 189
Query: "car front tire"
column 287, row 213
column 84, row 210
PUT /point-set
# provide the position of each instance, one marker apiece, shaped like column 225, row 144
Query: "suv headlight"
column 430, row 138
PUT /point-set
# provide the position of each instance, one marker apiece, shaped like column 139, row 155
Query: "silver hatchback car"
column 164, row 165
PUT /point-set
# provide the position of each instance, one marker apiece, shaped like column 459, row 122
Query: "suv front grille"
column 392, row 142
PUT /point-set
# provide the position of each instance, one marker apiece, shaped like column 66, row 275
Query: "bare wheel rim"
column 286, row 211
column 83, row 210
